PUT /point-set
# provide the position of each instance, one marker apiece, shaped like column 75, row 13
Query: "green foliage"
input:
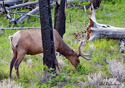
column 81, row 69
column 78, row 3
column 113, row 1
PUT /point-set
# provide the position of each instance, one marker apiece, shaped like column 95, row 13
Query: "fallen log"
column 22, row 13
column 96, row 31
column 13, row 6
column 20, row 28
column 12, row 2
column 16, row 28
column 25, row 16
column 22, row 5
column 107, row 32
column 16, row 6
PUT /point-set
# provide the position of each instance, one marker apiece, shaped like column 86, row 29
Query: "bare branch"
column 92, row 13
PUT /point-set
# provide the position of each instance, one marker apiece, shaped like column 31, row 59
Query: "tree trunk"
column 47, row 34
column 122, row 44
column 60, row 18
column 96, row 30
column 107, row 32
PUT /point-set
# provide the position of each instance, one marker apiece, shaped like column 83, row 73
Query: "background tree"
column 47, row 33
column 60, row 17
column 96, row 4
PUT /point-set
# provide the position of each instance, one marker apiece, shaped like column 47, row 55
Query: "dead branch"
column 25, row 16
column 12, row 2
column 20, row 28
column 18, row 6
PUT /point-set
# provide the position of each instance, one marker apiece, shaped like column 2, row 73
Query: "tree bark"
column 122, row 44
column 60, row 18
column 96, row 30
column 107, row 32
column 47, row 34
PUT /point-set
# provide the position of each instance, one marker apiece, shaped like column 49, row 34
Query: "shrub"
column 95, row 79
column 117, row 69
column 7, row 83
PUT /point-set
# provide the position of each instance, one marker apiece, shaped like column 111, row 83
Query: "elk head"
column 74, row 58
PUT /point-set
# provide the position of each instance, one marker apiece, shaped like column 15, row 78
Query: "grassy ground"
column 102, row 51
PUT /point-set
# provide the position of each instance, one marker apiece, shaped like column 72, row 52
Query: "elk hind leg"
column 12, row 63
column 20, row 57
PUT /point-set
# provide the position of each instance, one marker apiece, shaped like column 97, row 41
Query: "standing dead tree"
column 60, row 17
column 96, row 30
column 96, row 4
column 49, row 57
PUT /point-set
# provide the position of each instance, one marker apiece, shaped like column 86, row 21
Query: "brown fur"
column 30, row 43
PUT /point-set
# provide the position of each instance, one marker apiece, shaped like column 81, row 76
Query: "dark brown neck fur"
column 65, row 50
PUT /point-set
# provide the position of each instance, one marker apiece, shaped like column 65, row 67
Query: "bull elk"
column 29, row 42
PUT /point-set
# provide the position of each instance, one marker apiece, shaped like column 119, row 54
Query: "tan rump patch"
column 16, row 38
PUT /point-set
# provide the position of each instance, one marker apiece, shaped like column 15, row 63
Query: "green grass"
column 99, row 50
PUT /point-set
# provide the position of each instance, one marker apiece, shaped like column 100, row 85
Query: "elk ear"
column 80, row 51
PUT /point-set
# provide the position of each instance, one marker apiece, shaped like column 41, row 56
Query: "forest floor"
column 106, row 69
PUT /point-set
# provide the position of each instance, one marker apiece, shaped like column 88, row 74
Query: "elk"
column 29, row 42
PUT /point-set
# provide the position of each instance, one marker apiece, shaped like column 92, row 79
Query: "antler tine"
column 80, row 51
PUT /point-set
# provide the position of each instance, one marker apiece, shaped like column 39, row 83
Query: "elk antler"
column 80, row 51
